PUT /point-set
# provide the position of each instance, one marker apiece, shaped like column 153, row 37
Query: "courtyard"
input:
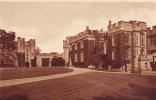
column 82, row 84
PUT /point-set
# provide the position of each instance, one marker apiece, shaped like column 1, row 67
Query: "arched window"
column 142, row 39
column 127, row 38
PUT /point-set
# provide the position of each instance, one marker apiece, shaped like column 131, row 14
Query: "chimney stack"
column 87, row 27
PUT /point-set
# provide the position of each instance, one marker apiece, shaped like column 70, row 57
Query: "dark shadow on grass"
column 17, row 97
column 114, row 98
column 149, row 93
column 139, row 91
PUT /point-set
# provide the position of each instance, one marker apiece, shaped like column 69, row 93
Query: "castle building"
column 127, row 45
column 85, row 48
column 66, row 51
column 124, row 46
column 26, row 52
column 21, row 51
column 151, row 40
column 151, row 45
column 81, row 49
column 100, row 54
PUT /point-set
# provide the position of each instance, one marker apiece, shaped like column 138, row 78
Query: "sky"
column 51, row 22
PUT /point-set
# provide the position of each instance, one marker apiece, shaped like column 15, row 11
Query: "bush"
column 58, row 61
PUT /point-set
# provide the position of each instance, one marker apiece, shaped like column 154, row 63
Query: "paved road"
column 4, row 83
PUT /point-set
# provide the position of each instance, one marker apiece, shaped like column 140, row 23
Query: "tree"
column 58, row 61
column 7, row 45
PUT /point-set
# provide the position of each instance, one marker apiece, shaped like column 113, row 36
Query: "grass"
column 16, row 73
column 87, row 86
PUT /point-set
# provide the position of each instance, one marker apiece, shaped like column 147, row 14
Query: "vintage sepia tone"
column 88, row 50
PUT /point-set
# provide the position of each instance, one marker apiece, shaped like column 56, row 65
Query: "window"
column 76, row 57
column 127, row 38
column 134, row 39
column 153, row 40
column 127, row 54
column 142, row 51
column 104, row 49
column 113, row 40
column 113, row 55
column 76, row 46
column 82, row 44
column 141, row 39
column 82, row 57
column 70, row 48
column 137, row 40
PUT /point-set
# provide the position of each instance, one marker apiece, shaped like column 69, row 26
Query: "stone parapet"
column 127, row 26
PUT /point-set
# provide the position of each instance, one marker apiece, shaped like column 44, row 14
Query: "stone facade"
column 122, row 47
column 100, row 55
column 66, row 51
column 26, row 52
column 127, row 45
column 151, row 46
column 81, row 48
column 151, row 40
column 44, row 59
column 85, row 48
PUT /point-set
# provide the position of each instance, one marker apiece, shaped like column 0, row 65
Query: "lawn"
column 16, row 73
column 87, row 86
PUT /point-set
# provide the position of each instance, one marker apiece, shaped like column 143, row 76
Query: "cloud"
column 55, row 44
column 79, row 25
column 141, row 14
column 51, row 29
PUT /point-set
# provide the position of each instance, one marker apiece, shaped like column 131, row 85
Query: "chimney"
column 110, row 23
column 87, row 27
column 101, row 30
column 154, row 29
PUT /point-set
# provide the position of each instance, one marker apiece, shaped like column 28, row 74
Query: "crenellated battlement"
column 127, row 26
column 151, row 31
